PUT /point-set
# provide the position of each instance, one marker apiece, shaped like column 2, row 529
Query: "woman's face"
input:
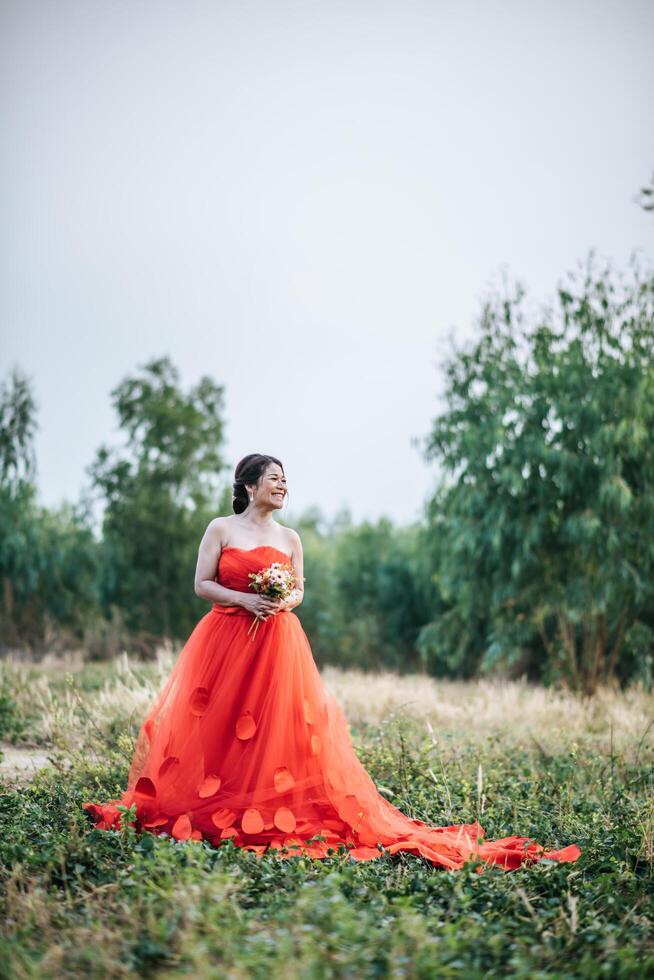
column 271, row 489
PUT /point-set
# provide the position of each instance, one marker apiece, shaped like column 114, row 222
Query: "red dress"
column 245, row 742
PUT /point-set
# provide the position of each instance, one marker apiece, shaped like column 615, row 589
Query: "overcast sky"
column 303, row 200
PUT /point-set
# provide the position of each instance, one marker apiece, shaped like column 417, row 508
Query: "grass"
column 80, row 902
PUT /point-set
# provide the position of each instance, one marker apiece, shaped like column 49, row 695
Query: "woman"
column 245, row 742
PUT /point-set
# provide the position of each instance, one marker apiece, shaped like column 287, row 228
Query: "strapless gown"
column 245, row 742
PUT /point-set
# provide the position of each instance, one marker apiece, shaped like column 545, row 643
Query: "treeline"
column 535, row 554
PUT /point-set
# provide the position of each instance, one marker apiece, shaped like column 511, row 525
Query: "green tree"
column 159, row 489
column 18, row 542
column 546, row 510
column 17, row 430
column 379, row 604
column 316, row 611
column 452, row 641
column 48, row 558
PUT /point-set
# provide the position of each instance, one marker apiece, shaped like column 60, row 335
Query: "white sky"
column 303, row 200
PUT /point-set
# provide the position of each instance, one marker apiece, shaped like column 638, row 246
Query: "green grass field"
column 80, row 902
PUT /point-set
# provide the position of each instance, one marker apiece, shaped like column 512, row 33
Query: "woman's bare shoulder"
column 218, row 529
column 293, row 540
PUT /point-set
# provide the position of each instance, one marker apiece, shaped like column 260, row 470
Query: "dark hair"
column 248, row 471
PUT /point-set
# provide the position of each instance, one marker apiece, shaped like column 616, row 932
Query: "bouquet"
column 276, row 581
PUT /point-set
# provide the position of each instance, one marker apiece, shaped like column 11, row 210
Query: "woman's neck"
column 263, row 521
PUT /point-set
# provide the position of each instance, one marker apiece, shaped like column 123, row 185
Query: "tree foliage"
column 17, row 431
column 159, row 490
column 368, row 591
column 546, row 509
column 379, row 606
column 48, row 558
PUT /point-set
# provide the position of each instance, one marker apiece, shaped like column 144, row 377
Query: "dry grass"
column 515, row 711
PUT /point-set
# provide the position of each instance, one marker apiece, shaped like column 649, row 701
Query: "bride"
column 245, row 742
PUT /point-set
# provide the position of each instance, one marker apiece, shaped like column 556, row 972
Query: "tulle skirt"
column 245, row 742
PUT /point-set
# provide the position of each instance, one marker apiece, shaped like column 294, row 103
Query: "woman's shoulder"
column 218, row 524
column 218, row 530
column 293, row 542
column 293, row 536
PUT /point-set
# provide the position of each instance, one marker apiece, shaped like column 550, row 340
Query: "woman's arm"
column 297, row 558
column 205, row 571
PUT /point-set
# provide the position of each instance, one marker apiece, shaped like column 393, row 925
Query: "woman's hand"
column 261, row 605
